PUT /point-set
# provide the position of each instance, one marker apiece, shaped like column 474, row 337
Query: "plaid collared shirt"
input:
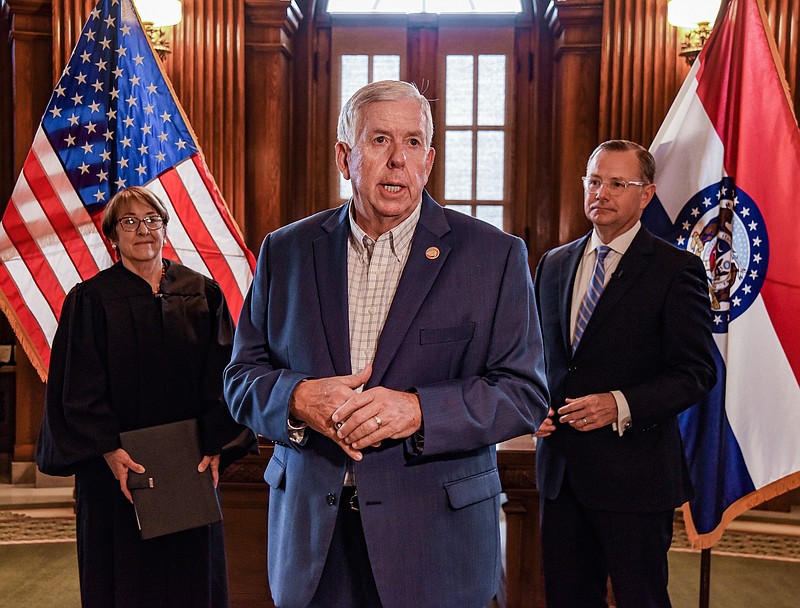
column 373, row 273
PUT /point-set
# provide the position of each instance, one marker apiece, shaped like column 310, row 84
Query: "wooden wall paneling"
column 523, row 152
column 31, row 50
column 269, row 29
column 7, row 176
column 422, row 50
column 539, row 188
column 323, row 131
column 641, row 69
column 206, row 67
column 784, row 20
column 305, row 121
column 69, row 17
column 577, row 32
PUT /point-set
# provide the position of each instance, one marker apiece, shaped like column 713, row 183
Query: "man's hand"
column 377, row 414
column 119, row 461
column 213, row 462
column 548, row 426
column 589, row 412
column 314, row 402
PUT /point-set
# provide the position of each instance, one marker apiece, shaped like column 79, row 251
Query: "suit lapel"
column 632, row 264
column 566, row 282
column 330, row 267
column 416, row 281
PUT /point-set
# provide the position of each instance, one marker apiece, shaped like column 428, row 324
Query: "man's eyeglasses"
column 614, row 186
column 131, row 224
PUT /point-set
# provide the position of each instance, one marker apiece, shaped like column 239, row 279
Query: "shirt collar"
column 399, row 237
column 619, row 245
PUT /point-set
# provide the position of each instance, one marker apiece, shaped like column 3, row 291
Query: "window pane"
column 490, row 213
column 458, row 166
column 491, row 152
column 465, row 209
column 428, row 6
column 491, row 89
column 497, row 6
column 371, row 6
column 459, row 90
column 385, row 67
column 355, row 74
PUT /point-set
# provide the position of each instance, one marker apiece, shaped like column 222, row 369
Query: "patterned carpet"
column 745, row 544
column 18, row 529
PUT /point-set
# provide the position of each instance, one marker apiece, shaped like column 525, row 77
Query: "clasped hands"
column 585, row 413
column 355, row 420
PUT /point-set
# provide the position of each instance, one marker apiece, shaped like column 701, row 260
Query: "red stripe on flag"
column 747, row 104
column 30, row 332
column 53, row 208
column 34, row 259
column 211, row 186
column 202, row 239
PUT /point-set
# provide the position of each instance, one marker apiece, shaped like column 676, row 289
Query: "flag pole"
column 705, row 577
column 705, row 554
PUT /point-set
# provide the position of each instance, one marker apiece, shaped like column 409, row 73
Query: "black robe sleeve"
column 218, row 431
column 78, row 423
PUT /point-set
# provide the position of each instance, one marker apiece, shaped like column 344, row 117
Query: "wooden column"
column 31, row 43
column 641, row 69
column 244, row 496
column 269, row 28
column 206, row 67
column 577, row 30
column 524, row 583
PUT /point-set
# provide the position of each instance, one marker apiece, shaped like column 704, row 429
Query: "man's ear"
column 429, row 161
column 342, row 152
column 648, row 192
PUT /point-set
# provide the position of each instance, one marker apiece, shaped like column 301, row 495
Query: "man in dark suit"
column 387, row 496
column 626, row 326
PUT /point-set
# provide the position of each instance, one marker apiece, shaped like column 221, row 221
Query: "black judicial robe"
column 125, row 359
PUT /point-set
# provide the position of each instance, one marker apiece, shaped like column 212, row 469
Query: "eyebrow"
column 379, row 131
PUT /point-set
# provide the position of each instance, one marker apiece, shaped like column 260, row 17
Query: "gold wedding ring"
column 378, row 421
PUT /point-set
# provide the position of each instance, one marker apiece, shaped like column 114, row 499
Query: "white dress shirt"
column 582, row 278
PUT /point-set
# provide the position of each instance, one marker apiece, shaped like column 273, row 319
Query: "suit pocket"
column 475, row 488
column 447, row 334
column 275, row 473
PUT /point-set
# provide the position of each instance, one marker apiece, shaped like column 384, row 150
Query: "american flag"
column 112, row 122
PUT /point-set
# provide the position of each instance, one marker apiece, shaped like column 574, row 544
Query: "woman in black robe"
column 142, row 343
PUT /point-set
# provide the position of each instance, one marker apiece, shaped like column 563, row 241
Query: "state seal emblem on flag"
column 723, row 226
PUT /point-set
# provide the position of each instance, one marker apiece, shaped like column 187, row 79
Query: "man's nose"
column 397, row 156
column 602, row 191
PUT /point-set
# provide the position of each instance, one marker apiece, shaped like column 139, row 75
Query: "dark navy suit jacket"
column 463, row 331
column 649, row 337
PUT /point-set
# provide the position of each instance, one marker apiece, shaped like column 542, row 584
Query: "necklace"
column 157, row 290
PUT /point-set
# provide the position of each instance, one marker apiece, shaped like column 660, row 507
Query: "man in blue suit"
column 626, row 323
column 385, row 347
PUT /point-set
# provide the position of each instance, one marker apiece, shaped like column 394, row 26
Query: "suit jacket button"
column 331, row 499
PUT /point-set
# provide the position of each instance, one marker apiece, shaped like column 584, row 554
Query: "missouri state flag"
column 728, row 157
column 112, row 122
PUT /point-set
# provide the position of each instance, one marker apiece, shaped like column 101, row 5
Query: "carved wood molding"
column 271, row 25
column 575, row 24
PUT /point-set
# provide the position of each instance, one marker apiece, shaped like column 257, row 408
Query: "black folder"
column 170, row 496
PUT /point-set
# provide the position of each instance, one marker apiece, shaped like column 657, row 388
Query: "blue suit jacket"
column 463, row 331
column 649, row 337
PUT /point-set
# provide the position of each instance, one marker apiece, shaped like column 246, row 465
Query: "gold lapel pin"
column 432, row 253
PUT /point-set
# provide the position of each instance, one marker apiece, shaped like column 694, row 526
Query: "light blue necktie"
column 592, row 295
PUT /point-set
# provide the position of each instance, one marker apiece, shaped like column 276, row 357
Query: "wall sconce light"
column 697, row 18
column 157, row 16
